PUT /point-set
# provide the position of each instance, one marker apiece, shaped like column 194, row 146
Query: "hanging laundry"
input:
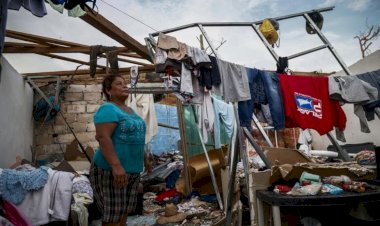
column 258, row 96
column 223, row 113
column 282, row 64
column 167, row 42
column 198, row 56
column 174, row 50
column 77, row 11
column 234, row 86
column 111, row 53
column 160, row 56
column 210, row 75
column 273, row 94
column 206, row 117
column 143, row 104
column 351, row 89
column 198, row 91
column 178, row 54
column 36, row 7
column 307, row 104
column 186, row 81
column 57, row 5
column 373, row 106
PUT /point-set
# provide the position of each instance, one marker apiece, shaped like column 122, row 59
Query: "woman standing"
column 117, row 164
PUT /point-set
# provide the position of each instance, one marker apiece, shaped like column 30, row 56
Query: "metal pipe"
column 342, row 153
column 261, row 129
column 324, row 39
column 264, row 40
column 258, row 149
column 167, row 126
column 238, row 24
column 208, row 40
column 307, row 51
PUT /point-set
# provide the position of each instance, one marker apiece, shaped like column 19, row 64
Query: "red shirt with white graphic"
column 307, row 104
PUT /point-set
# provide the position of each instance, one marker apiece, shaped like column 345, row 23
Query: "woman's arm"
column 103, row 135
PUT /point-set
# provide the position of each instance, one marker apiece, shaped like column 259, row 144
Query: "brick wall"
column 286, row 138
column 78, row 106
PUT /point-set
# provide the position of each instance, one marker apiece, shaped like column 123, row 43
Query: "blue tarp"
column 166, row 139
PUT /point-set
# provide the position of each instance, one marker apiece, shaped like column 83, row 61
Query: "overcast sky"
column 242, row 46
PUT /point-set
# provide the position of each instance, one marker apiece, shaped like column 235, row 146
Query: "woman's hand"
column 120, row 177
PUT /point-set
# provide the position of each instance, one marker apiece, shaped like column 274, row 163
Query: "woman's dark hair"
column 107, row 82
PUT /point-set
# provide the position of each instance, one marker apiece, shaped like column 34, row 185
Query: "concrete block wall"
column 78, row 106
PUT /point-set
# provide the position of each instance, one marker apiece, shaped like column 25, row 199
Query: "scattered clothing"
column 15, row 184
column 166, row 195
column 172, row 179
column 82, row 185
column 307, row 104
column 365, row 157
column 52, row 203
column 15, row 216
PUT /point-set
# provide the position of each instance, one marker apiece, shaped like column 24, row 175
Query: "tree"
column 365, row 39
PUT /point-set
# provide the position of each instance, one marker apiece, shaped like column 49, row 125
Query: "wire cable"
column 138, row 20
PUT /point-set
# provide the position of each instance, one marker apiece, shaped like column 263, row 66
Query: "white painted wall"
column 352, row 132
column 16, row 120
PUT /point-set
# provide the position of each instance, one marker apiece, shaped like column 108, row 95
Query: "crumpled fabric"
column 15, row 184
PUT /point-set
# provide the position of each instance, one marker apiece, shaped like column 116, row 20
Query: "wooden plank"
column 110, row 29
column 54, row 42
column 33, row 48
column 40, row 39
column 87, row 79
column 142, row 69
column 69, row 59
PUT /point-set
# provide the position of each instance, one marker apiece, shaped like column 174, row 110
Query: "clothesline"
column 251, row 88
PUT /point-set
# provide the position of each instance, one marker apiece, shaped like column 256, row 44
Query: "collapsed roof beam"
column 147, row 68
column 54, row 42
column 69, row 59
column 33, row 48
column 110, row 29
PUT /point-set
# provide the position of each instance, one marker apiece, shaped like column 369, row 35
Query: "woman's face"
column 119, row 89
